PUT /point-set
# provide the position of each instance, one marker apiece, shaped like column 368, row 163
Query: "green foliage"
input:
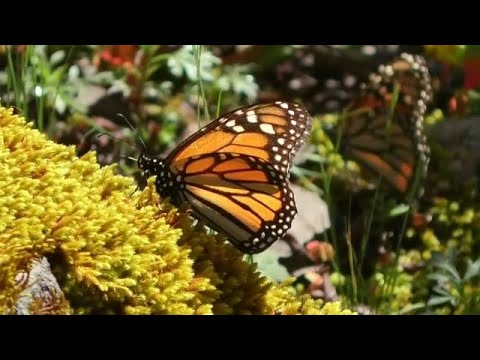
column 450, row 289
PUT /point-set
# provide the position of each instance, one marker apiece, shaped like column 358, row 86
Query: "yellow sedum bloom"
column 114, row 252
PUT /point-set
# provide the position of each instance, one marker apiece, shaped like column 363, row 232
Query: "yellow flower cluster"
column 111, row 249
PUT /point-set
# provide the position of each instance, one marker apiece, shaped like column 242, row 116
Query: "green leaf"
column 156, row 63
column 182, row 62
column 442, row 291
column 473, row 269
column 411, row 307
column 439, row 300
column 3, row 77
column 398, row 210
column 238, row 79
column 57, row 57
column 450, row 269
column 438, row 258
column 441, row 278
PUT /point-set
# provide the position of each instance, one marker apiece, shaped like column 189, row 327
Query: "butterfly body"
column 234, row 172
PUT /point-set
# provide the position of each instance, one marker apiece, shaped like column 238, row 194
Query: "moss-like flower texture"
column 111, row 249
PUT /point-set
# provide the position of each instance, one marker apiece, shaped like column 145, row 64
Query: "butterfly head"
column 148, row 165
column 151, row 166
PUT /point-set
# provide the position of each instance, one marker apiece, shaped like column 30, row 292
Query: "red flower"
column 119, row 55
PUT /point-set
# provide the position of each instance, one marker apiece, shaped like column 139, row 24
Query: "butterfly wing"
column 241, row 196
column 234, row 172
column 272, row 132
column 387, row 140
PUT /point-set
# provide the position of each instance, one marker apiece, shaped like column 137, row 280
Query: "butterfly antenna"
column 128, row 157
column 117, row 139
column 134, row 130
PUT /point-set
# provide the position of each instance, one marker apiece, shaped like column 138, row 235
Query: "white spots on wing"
column 278, row 102
column 284, row 151
column 284, row 105
column 285, row 162
column 222, row 156
column 289, row 146
column 302, row 116
column 275, row 148
column 267, row 128
column 293, row 122
column 222, row 120
column 278, row 157
column 231, row 123
column 291, row 131
column 252, row 118
column 179, row 178
column 291, row 112
column 281, row 141
column 239, row 112
column 238, row 129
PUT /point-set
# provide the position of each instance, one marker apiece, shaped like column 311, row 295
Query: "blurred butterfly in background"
column 388, row 137
column 234, row 172
column 383, row 132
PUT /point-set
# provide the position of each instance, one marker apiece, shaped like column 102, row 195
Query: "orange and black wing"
column 242, row 196
column 388, row 136
column 271, row 132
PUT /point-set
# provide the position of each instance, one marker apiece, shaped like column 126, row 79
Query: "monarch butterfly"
column 234, row 172
column 390, row 140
